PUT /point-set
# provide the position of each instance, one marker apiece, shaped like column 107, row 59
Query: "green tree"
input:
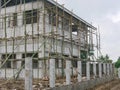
column 104, row 58
column 117, row 64
column 101, row 58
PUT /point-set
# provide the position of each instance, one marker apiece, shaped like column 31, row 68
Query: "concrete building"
column 45, row 31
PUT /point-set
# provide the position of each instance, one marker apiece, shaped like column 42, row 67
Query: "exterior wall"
column 40, row 28
column 19, row 31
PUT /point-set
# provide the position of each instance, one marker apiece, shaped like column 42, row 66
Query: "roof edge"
column 73, row 14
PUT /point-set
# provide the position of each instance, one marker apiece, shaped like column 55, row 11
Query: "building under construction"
column 55, row 38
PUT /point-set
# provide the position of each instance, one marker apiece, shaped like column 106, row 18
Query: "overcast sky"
column 106, row 14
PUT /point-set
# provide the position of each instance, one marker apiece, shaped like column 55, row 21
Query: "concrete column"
column 40, row 65
column 108, row 71
column 94, row 69
column 28, row 74
column 19, row 20
column 60, row 67
column 88, row 70
column 104, row 68
column 119, row 73
column 100, row 70
column 79, row 65
column 0, row 59
column 68, row 72
column 52, row 73
column 19, row 56
column 60, row 63
column 111, row 69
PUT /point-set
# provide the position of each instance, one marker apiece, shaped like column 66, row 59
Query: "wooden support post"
column 79, row 65
column 28, row 74
column 52, row 73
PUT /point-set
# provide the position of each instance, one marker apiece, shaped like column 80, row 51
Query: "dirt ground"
column 113, row 85
column 19, row 85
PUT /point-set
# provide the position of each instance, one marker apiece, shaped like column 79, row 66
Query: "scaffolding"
column 44, row 30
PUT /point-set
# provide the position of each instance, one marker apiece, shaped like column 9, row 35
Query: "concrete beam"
column 88, row 70
column 28, row 74
column 94, row 69
column 68, row 72
column 79, row 65
column 52, row 73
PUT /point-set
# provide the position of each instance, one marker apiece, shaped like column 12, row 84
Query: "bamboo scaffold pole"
column 38, row 20
column 25, row 34
column 14, row 33
column 5, row 37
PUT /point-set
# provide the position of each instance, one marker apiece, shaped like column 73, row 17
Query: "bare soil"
column 39, row 85
column 113, row 85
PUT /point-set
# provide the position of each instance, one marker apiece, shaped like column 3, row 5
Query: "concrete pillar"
column 28, row 74
column 68, row 72
column 79, row 65
column 111, row 69
column 104, row 68
column 94, row 69
column 40, row 65
column 0, row 5
column 88, row 70
column 0, row 59
column 60, row 63
column 60, row 67
column 52, row 73
column 19, row 21
column 100, row 69
column 108, row 71
column 19, row 56
column 119, row 73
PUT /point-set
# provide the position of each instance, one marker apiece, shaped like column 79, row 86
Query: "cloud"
column 114, row 17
